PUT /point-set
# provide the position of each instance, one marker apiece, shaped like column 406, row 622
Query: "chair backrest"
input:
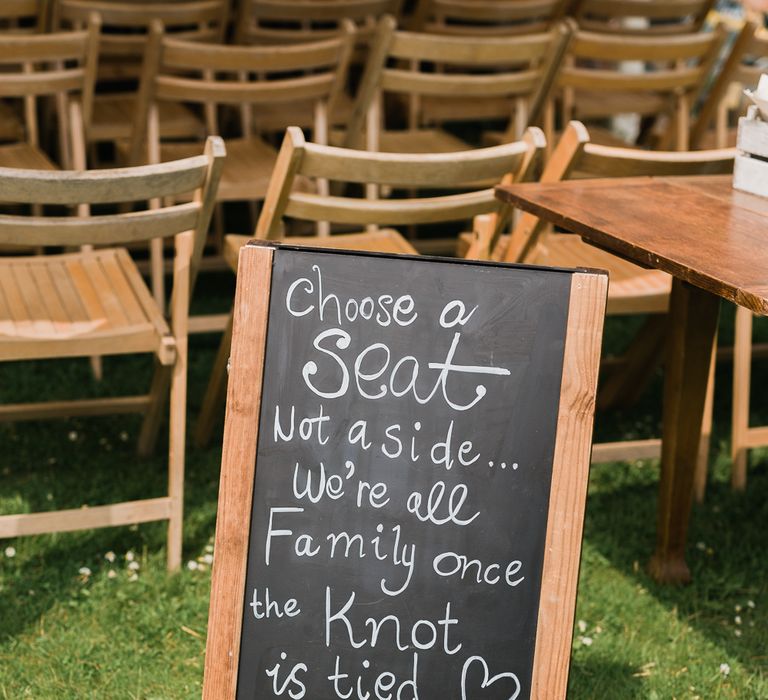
column 61, row 65
column 576, row 157
column 675, row 70
column 280, row 22
column 244, row 76
column 648, row 17
column 126, row 26
column 122, row 185
column 739, row 66
column 518, row 68
column 752, row 64
column 432, row 172
column 488, row 17
column 24, row 16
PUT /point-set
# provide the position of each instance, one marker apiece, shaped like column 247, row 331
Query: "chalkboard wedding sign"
column 404, row 476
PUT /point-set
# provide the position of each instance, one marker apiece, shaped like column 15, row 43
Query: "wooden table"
column 714, row 241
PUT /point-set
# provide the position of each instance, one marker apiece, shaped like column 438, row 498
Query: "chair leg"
column 218, row 226
column 176, row 451
column 624, row 386
column 158, row 393
column 215, row 393
column 97, row 367
column 702, row 463
column 742, row 358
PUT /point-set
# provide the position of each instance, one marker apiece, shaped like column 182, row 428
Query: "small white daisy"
column 129, row 555
column 72, row 435
column 586, row 641
column 110, row 556
column 84, row 571
column 10, row 552
column 193, row 565
column 111, row 573
column 134, row 566
column 725, row 669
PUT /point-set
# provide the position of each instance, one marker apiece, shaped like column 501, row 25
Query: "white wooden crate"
column 750, row 171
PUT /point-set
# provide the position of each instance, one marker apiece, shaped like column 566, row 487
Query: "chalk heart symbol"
column 487, row 680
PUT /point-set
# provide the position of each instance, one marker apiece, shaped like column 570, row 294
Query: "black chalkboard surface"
column 398, row 520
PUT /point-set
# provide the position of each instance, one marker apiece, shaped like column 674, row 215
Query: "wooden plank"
column 116, row 316
column 208, row 323
column 89, row 296
column 756, row 437
column 123, row 290
column 36, row 311
column 626, row 450
column 56, row 311
column 80, row 407
column 382, row 241
column 84, row 340
column 106, row 186
column 127, row 513
column 237, row 472
column 7, row 325
column 142, row 294
column 570, row 475
column 19, row 314
column 66, row 291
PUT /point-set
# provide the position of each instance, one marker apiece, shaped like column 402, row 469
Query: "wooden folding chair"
column 488, row 17
column 60, row 66
column 275, row 22
column 123, row 44
column 478, row 78
column 633, row 290
column 593, row 82
column 241, row 77
column 434, row 171
column 642, row 17
column 95, row 302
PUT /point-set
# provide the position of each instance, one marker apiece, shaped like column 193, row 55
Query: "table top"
column 696, row 228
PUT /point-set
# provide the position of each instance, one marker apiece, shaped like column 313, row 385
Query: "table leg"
column 692, row 330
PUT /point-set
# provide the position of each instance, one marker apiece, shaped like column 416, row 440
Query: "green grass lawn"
column 94, row 614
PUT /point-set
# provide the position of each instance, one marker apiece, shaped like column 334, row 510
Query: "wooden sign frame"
column 573, row 444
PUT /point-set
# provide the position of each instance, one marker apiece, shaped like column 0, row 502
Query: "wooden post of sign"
column 238, row 461
column 567, row 493
column 570, row 475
